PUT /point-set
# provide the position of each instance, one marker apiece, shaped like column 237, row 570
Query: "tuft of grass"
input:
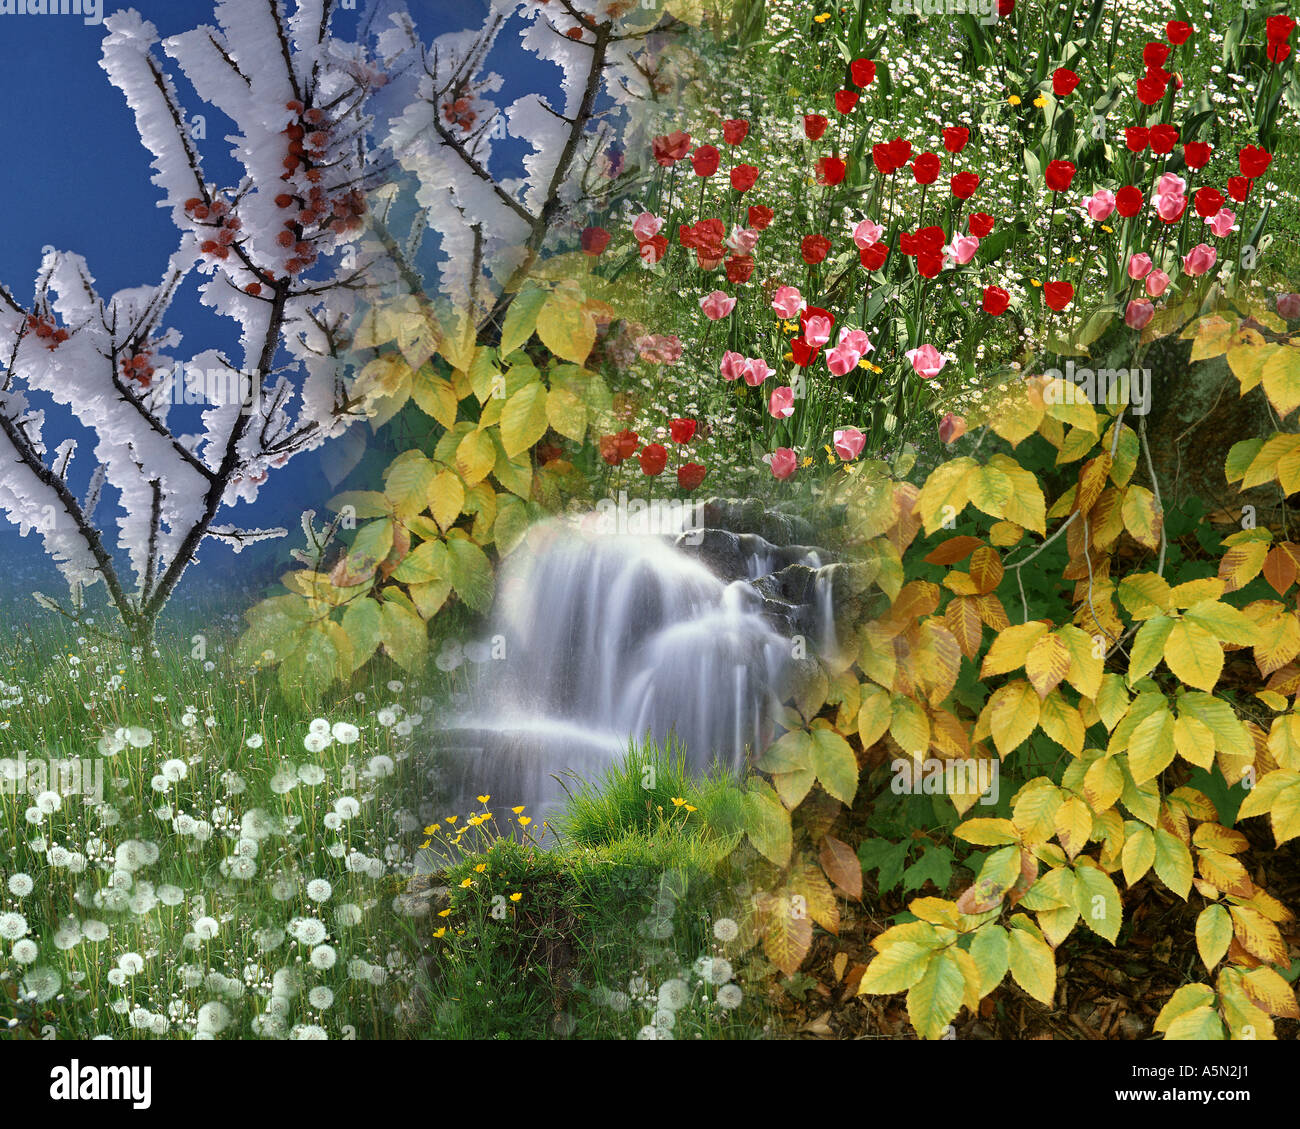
column 577, row 941
column 653, row 794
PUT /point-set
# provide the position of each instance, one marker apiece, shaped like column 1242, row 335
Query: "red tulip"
column 670, row 148
column 901, row 151
column 760, row 217
column 830, row 170
column 743, row 177
column 1178, row 32
column 1163, row 139
column 1006, row 7
column 804, row 354
column 925, row 169
column 653, row 249
column 1136, row 138
column 929, row 263
column 845, row 100
column 1128, row 201
column 964, row 185
column 1151, row 89
column 1154, row 54
column 690, row 475
column 996, row 301
column 862, row 72
column 1059, row 174
column 705, row 160
column 955, row 138
column 682, row 430
column 1064, row 81
column 1239, row 188
column 735, row 130
column 1208, row 202
column 594, row 240
column 814, row 249
column 615, row 448
column 739, row 268
column 882, row 155
column 814, row 125
column 653, row 457
column 873, row 257
column 1196, row 155
column 1254, row 161
column 980, row 224
column 1058, row 295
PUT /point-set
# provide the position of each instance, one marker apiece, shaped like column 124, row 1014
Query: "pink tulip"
column 732, row 365
column 1288, row 306
column 843, row 358
column 755, row 371
column 1100, row 204
column 849, row 442
column 1199, row 259
column 1223, row 222
column 1171, row 184
column 963, row 248
column 927, row 361
column 868, row 232
column 1139, row 266
column 787, row 301
column 717, row 305
column 1170, row 206
column 742, row 240
column 646, row 226
column 1139, row 312
column 952, row 428
column 781, row 403
column 817, row 331
column 1157, row 283
column 858, row 340
column 783, row 462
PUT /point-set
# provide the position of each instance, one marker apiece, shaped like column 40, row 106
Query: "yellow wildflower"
column 678, row 801
column 1014, row 99
column 484, row 799
column 480, row 868
column 1040, row 101
column 525, row 820
column 467, row 884
column 515, row 897
column 519, row 808
column 440, row 931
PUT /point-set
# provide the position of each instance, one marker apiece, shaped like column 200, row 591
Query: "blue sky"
column 83, row 186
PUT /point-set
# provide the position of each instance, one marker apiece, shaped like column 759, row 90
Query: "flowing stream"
column 608, row 639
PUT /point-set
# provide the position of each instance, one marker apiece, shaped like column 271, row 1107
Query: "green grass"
column 205, row 856
column 579, row 940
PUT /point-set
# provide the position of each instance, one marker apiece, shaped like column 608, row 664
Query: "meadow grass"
column 229, row 863
column 626, row 927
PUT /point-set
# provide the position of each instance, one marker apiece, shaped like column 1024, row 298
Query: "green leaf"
column 1173, row 863
column 361, row 624
column 521, row 318
column 767, row 823
column 991, row 950
column 896, row 968
column 1213, row 934
column 523, row 419
column 835, row 765
column 1033, row 965
column 1098, row 901
column 935, row 999
column 404, row 634
column 470, row 573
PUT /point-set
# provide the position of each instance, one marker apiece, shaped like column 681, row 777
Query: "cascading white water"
column 611, row 639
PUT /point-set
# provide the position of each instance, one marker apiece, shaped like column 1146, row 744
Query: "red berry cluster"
column 459, row 114
column 313, row 212
column 43, row 326
column 219, row 218
column 137, row 368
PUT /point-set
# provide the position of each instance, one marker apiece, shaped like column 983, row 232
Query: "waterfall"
column 609, row 639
